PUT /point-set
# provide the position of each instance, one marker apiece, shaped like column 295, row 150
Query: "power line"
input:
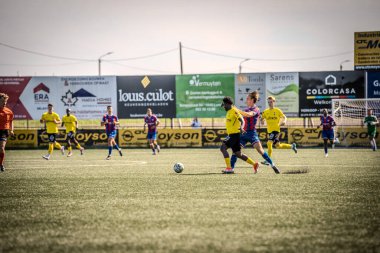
column 80, row 59
column 144, row 57
column 42, row 65
column 267, row 59
column 43, row 54
column 144, row 69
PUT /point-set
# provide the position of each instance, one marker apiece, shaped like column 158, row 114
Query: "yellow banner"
column 23, row 139
column 165, row 138
column 367, row 50
column 347, row 136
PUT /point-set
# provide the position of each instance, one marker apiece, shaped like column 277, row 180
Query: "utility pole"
column 180, row 57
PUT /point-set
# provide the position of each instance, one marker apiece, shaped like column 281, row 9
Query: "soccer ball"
column 178, row 167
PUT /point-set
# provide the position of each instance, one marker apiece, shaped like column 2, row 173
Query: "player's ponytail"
column 254, row 95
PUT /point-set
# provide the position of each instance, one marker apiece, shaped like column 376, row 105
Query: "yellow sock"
column 57, row 145
column 78, row 146
column 284, row 146
column 50, row 149
column 270, row 149
column 228, row 162
column 69, row 148
column 250, row 161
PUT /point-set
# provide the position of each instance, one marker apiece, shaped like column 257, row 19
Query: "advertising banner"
column 318, row 88
column 201, row 95
column 23, row 139
column 347, row 137
column 284, row 87
column 373, row 84
column 367, row 50
column 14, row 86
column 215, row 137
column 86, row 137
column 87, row 97
column 165, row 138
column 137, row 93
column 247, row 83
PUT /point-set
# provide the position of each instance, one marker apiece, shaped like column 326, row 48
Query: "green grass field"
column 136, row 203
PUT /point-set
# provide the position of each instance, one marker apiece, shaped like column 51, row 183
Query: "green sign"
column 201, row 95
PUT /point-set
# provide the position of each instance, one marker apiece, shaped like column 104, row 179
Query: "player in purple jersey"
column 152, row 121
column 328, row 123
column 110, row 121
column 251, row 117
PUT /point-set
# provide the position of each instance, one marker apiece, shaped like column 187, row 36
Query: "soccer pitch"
column 136, row 203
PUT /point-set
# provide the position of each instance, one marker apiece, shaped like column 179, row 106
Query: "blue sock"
column 109, row 150
column 267, row 158
column 116, row 147
column 233, row 161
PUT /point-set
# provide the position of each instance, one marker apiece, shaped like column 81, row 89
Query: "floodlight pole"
column 341, row 64
column 240, row 64
column 100, row 62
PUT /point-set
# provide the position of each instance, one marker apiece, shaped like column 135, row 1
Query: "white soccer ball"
column 178, row 167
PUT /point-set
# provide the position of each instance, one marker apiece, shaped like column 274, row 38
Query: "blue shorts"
column 250, row 136
column 111, row 134
column 328, row 134
column 151, row 136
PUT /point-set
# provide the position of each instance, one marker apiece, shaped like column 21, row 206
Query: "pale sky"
column 256, row 29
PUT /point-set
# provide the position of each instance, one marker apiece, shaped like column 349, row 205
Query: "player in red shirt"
column 6, row 126
column 327, row 123
column 152, row 122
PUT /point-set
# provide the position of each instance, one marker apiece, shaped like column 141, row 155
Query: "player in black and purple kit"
column 110, row 121
column 328, row 124
column 152, row 121
column 251, row 116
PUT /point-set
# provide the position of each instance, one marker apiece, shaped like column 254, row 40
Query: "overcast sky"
column 258, row 29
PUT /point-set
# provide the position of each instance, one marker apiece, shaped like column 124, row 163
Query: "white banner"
column 247, row 83
column 285, row 88
column 87, row 96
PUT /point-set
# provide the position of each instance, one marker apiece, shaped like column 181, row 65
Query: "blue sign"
column 373, row 85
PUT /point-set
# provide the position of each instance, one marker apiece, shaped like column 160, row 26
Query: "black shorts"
column 274, row 137
column 52, row 137
column 4, row 134
column 70, row 136
column 233, row 141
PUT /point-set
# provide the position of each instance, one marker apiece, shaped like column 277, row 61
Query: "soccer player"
column 110, row 121
column 371, row 121
column 51, row 120
column 71, row 124
column 275, row 118
column 234, row 126
column 6, row 126
column 327, row 123
column 251, row 116
column 152, row 121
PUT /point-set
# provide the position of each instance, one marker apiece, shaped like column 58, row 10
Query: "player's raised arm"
column 245, row 114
